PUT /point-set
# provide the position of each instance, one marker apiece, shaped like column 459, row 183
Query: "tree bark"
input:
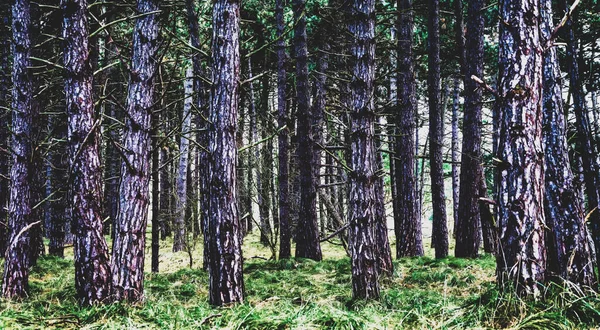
column 226, row 282
column 408, row 227
column 468, row 230
column 521, row 263
column 568, row 251
column 382, row 242
column 307, row 235
column 363, row 178
column 155, row 238
column 5, row 84
column 440, row 227
column 179, row 239
column 16, row 265
column 455, row 152
column 92, row 270
column 130, row 235
column 591, row 169
column 283, row 139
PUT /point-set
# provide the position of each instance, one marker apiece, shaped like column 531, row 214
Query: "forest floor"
column 424, row 293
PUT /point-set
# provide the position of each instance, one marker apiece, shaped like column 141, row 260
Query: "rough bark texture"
column 92, row 271
column 179, row 240
column 130, row 235
column 440, row 228
column 468, row 227
column 16, row 264
column 363, row 178
column 283, row 139
column 307, row 235
column 591, row 169
column 408, row 226
column 226, row 282
column 569, row 255
column 521, row 262
column 4, row 119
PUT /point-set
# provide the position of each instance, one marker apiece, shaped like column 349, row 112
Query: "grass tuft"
column 425, row 293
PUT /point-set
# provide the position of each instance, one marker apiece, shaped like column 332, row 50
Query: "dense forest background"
column 303, row 163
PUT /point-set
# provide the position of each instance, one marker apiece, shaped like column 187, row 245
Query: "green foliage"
column 304, row 294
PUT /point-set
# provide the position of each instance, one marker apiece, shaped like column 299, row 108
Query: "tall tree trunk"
column 307, row 235
column 382, row 242
column 130, row 236
column 568, row 251
column 254, row 164
column 92, row 270
column 16, row 265
column 521, row 263
column 455, row 151
column 468, row 231
column 440, row 227
column 591, row 169
column 283, row 139
column 59, row 164
column 266, row 168
column 165, row 191
column 4, row 120
column 179, row 239
column 408, row 227
column 318, row 107
column 226, row 282
column 363, row 177
column 155, row 238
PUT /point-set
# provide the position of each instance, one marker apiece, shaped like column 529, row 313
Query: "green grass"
column 302, row 294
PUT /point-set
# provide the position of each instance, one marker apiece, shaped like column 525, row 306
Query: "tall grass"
column 302, row 294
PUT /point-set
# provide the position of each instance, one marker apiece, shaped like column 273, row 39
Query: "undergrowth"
column 424, row 293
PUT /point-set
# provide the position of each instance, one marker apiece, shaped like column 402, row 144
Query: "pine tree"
column 521, row 264
column 223, row 234
column 363, row 177
column 130, row 232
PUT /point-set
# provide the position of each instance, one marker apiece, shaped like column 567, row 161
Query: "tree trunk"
column 568, row 252
column 58, row 177
column 5, row 84
column 307, row 236
column 440, row 227
column 265, row 171
column 16, row 264
column 521, row 264
column 179, row 239
column 155, row 239
column 408, row 227
column 591, row 169
column 226, row 282
column 92, row 270
column 363, row 177
column 468, row 230
column 382, row 242
column 283, row 139
column 130, row 236
column 455, row 151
